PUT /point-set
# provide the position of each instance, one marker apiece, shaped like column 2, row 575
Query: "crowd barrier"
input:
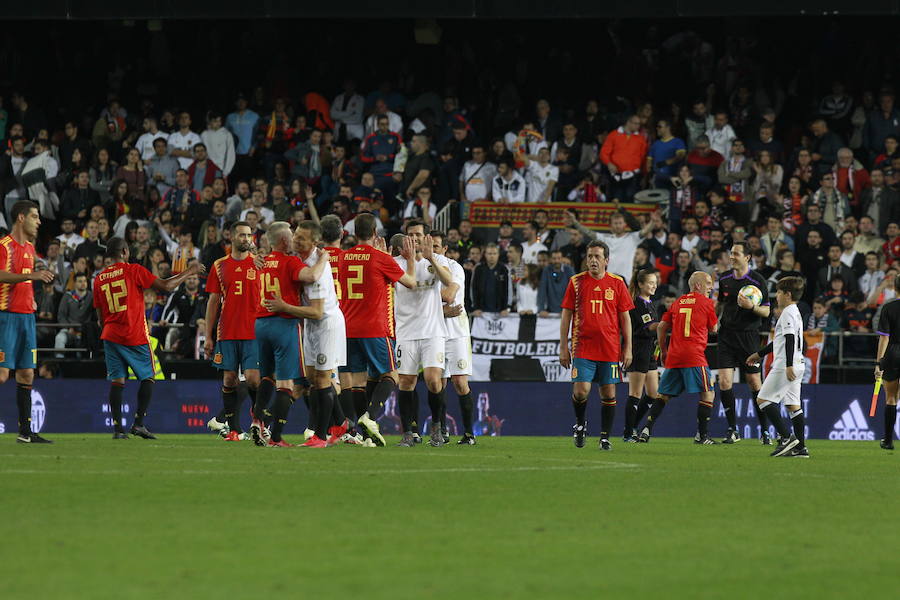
column 835, row 412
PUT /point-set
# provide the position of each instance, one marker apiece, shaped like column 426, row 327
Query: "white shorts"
column 776, row 388
column 325, row 343
column 458, row 353
column 413, row 355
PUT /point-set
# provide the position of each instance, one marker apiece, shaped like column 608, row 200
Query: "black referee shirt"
column 734, row 317
column 643, row 315
column 889, row 322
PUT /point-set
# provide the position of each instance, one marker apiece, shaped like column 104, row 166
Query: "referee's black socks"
column 631, row 414
column 607, row 415
column 23, row 402
column 658, row 406
column 760, row 415
column 890, row 417
column 728, row 405
column 115, row 405
column 145, row 393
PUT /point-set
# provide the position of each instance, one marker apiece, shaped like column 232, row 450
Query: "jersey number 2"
column 357, row 278
column 114, row 292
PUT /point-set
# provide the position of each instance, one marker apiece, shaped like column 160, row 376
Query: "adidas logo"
column 852, row 425
column 597, row 289
column 237, row 270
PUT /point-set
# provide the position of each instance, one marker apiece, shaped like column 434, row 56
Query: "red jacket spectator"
column 625, row 150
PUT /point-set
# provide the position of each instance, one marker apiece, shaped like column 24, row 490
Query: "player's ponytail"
column 640, row 277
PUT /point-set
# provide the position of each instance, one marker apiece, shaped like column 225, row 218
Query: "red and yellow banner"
column 594, row 215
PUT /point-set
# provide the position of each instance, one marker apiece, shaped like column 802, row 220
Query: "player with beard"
column 596, row 307
column 18, row 332
column 739, row 336
column 233, row 287
column 422, row 331
column 324, row 335
column 458, row 348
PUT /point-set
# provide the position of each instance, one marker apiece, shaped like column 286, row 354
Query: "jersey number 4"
column 114, row 292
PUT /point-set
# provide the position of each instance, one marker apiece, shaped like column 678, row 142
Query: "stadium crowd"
column 810, row 179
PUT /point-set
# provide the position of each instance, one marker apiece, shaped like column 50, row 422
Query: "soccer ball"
column 751, row 293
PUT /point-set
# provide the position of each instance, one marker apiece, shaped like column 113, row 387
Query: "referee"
column 888, row 366
column 739, row 336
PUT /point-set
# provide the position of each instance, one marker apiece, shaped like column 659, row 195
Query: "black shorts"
column 735, row 347
column 891, row 361
column 643, row 356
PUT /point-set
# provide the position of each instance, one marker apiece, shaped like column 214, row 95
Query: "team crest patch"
column 251, row 273
column 217, row 359
column 574, row 372
column 440, row 357
column 320, row 359
column 610, row 294
column 431, row 269
column 646, row 318
column 461, row 363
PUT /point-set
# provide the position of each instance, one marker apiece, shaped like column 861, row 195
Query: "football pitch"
column 189, row 516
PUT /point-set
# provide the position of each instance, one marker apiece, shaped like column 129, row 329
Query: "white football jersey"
column 419, row 312
column 322, row 288
column 790, row 322
column 458, row 326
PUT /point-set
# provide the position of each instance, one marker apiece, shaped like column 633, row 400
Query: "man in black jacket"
column 491, row 285
column 76, row 202
column 880, row 202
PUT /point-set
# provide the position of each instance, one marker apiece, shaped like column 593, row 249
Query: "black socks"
column 631, row 414
column 115, row 405
column 607, row 415
column 229, row 402
column 263, row 397
column 326, row 401
column 760, row 415
column 728, row 405
column 380, row 395
column 145, row 392
column 658, row 406
column 345, row 399
column 580, row 407
column 890, row 417
column 772, row 411
column 704, row 413
column 467, row 408
column 23, row 402
column 280, row 409
column 799, row 423
column 404, row 401
column 434, row 403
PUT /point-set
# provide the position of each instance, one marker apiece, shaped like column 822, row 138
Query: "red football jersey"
column 119, row 294
column 367, row 278
column 692, row 317
column 238, row 283
column 279, row 278
column 17, row 258
column 596, row 304
column 334, row 257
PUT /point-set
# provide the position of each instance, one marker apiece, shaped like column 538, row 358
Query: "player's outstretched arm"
column 311, row 274
column 314, row 311
column 45, row 276
column 565, row 321
column 171, row 284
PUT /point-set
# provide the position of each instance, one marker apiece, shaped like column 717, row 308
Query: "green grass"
column 194, row 517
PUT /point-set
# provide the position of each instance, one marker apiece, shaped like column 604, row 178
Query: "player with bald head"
column 690, row 318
